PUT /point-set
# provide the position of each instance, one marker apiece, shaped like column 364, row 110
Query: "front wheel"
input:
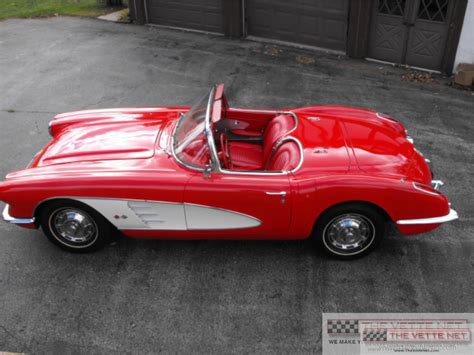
column 74, row 226
column 350, row 231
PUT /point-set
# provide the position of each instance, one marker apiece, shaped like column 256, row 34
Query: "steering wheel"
column 225, row 151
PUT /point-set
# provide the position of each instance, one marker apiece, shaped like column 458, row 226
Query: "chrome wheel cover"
column 349, row 234
column 73, row 227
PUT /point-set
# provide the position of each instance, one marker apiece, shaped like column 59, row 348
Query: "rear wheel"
column 350, row 231
column 74, row 226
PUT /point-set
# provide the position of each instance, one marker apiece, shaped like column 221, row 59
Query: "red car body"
column 99, row 157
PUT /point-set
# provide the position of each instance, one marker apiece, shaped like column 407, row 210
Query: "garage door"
column 204, row 15
column 410, row 32
column 321, row 23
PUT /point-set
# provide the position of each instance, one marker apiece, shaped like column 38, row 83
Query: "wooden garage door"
column 204, row 15
column 412, row 32
column 321, row 23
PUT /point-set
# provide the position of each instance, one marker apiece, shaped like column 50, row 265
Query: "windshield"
column 190, row 144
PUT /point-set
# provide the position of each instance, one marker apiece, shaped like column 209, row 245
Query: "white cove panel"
column 160, row 215
column 157, row 215
column 127, row 214
column 209, row 218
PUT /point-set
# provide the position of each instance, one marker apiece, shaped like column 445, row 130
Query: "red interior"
column 257, row 120
column 286, row 157
column 268, row 154
column 252, row 139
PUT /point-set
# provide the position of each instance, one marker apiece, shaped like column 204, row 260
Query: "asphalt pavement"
column 214, row 296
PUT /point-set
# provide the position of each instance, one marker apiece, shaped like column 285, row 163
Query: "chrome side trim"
column 451, row 216
column 7, row 218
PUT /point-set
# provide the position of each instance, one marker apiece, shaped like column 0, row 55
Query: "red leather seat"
column 285, row 158
column 248, row 156
column 245, row 156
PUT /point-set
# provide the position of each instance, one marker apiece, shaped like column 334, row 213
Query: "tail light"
column 426, row 188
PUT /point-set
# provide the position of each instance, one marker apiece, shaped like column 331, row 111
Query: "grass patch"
column 38, row 8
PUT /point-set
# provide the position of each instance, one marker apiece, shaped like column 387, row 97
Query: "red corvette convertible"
column 338, row 175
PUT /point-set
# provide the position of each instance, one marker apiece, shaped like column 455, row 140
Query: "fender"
column 397, row 197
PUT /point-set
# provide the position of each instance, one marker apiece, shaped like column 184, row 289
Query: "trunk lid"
column 379, row 142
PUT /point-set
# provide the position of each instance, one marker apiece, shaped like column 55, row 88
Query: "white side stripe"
column 158, row 215
column 203, row 217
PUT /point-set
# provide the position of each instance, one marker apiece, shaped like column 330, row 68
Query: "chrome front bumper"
column 10, row 219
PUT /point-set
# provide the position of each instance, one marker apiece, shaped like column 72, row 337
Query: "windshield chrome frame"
column 215, row 163
column 208, row 112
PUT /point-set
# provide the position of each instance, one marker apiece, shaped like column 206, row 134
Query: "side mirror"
column 207, row 171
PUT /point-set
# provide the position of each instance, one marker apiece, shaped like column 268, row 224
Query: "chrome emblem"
column 120, row 216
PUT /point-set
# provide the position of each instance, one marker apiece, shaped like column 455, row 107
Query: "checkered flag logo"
column 343, row 326
column 371, row 335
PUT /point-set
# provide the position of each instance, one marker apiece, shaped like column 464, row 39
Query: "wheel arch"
column 364, row 203
column 43, row 204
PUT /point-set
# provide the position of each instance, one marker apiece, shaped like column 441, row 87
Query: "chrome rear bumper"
column 451, row 216
column 10, row 219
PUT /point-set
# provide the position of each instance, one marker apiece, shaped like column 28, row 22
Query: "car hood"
column 101, row 135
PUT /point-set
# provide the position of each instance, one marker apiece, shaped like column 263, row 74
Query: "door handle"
column 280, row 193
